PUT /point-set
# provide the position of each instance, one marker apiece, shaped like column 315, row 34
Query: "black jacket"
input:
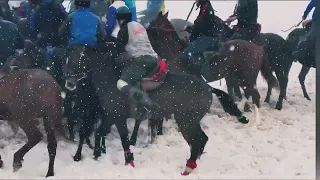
column 204, row 24
column 246, row 12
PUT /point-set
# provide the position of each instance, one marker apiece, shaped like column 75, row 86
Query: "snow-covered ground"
column 281, row 147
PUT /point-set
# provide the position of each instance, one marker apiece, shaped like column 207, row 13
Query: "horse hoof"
column 49, row 174
column 267, row 100
column 307, row 97
column 160, row 133
column 247, row 108
column 97, row 154
column 77, row 158
column 17, row 166
column 278, row 106
column 1, row 163
column 103, row 150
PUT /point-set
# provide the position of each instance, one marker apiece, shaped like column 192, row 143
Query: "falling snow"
column 280, row 146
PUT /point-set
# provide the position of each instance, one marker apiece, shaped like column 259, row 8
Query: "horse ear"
column 166, row 14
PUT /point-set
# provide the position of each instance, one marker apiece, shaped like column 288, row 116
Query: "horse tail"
column 267, row 74
column 228, row 104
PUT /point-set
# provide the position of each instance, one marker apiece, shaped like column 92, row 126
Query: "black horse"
column 276, row 50
column 293, row 38
column 183, row 95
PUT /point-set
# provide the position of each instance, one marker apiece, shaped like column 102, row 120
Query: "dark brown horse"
column 293, row 38
column 27, row 94
column 243, row 63
column 167, row 44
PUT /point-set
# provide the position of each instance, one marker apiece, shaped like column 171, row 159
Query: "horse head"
column 160, row 31
column 78, row 65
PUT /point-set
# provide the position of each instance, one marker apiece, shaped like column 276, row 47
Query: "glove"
column 303, row 17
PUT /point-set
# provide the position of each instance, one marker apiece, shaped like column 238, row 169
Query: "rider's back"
column 84, row 27
column 138, row 40
column 9, row 38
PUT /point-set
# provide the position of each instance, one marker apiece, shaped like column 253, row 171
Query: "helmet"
column 124, row 13
column 82, row 3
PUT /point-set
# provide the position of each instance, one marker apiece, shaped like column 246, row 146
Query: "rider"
column 136, row 55
column 203, row 36
column 246, row 12
column 81, row 28
column 303, row 45
column 152, row 11
column 46, row 20
column 10, row 40
column 112, row 26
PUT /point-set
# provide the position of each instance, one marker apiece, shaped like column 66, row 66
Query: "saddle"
column 157, row 78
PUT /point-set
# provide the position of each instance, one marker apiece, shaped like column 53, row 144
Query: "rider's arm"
column 111, row 20
column 198, row 27
column 101, row 34
column 64, row 30
column 122, row 39
column 33, row 22
column 310, row 6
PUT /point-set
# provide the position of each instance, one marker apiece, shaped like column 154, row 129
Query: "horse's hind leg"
column 267, row 100
column 302, row 76
column 34, row 137
column 283, row 82
column 197, row 143
column 134, row 135
column 121, row 125
column 52, row 143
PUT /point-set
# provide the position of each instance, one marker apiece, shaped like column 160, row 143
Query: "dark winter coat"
column 246, row 12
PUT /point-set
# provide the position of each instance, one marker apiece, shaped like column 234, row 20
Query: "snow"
column 282, row 146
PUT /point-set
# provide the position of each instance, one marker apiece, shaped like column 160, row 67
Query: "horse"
column 276, row 49
column 293, row 38
column 34, row 57
column 183, row 95
column 28, row 94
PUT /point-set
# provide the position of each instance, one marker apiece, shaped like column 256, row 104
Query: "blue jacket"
column 310, row 6
column 83, row 28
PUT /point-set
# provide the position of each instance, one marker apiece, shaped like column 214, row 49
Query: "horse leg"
column 121, row 125
column 256, row 97
column 198, row 141
column 267, row 100
column 248, row 93
column 69, row 114
column 230, row 87
column 34, row 137
column 302, row 76
column 52, row 143
column 134, row 135
column 160, row 127
column 103, row 129
column 153, row 129
column 283, row 82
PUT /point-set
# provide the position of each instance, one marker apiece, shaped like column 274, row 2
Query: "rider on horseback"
column 304, row 45
column 83, row 27
column 137, row 56
column 246, row 12
column 203, row 36
column 112, row 26
column 46, row 21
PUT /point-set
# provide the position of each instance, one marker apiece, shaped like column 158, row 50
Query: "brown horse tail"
column 266, row 72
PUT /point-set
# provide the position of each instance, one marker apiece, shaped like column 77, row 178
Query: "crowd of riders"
column 82, row 26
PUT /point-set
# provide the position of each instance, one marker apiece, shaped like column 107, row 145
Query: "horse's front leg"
column 121, row 125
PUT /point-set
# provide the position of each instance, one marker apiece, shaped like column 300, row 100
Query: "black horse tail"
column 266, row 71
column 228, row 105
